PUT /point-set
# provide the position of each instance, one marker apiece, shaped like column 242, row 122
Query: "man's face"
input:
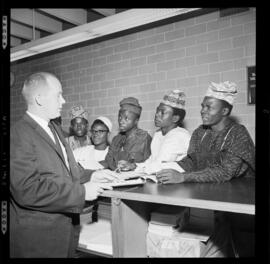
column 126, row 120
column 163, row 116
column 212, row 111
column 52, row 98
column 79, row 126
column 99, row 134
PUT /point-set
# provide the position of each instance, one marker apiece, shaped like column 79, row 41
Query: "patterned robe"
column 219, row 156
column 74, row 143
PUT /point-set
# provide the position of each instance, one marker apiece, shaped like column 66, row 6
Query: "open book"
column 127, row 178
column 130, row 175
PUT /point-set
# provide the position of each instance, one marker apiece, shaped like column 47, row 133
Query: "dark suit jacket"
column 46, row 197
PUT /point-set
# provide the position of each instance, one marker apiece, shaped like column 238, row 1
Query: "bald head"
column 43, row 94
column 37, row 83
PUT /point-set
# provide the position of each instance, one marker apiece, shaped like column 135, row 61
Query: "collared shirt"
column 170, row 147
column 166, row 148
column 44, row 124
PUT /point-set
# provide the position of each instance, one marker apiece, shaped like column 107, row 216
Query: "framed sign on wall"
column 251, row 84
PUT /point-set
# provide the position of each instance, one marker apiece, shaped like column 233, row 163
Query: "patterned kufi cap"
column 131, row 104
column 78, row 111
column 175, row 98
column 226, row 91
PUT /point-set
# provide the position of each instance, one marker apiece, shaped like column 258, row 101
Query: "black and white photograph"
column 129, row 133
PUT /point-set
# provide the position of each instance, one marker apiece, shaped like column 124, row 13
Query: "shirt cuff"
column 172, row 165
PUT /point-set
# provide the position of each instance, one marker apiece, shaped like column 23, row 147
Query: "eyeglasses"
column 98, row 132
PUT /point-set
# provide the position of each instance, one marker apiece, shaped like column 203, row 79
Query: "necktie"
column 58, row 146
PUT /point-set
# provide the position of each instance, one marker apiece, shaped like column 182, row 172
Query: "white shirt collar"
column 43, row 123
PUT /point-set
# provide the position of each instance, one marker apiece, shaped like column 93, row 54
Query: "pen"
column 118, row 169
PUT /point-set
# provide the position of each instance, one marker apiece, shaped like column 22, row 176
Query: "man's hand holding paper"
column 106, row 176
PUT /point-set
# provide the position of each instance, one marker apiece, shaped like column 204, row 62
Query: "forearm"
column 218, row 173
column 207, row 175
column 187, row 164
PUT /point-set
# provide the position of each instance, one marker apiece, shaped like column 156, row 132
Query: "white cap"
column 106, row 121
column 226, row 91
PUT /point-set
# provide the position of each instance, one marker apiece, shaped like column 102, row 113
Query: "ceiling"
column 35, row 31
column 31, row 24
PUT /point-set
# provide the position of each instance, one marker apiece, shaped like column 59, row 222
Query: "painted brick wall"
column 147, row 64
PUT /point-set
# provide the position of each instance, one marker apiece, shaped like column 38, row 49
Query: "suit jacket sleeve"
column 38, row 178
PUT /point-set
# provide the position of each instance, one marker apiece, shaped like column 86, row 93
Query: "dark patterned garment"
column 134, row 148
column 218, row 156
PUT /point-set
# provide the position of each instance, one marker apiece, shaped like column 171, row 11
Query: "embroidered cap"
column 175, row 98
column 131, row 104
column 226, row 91
column 106, row 121
column 78, row 111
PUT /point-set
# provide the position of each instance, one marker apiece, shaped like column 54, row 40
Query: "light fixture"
column 108, row 25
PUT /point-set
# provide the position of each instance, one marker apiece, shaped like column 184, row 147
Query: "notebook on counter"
column 126, row 182
column 132, row 175
column 132, row 178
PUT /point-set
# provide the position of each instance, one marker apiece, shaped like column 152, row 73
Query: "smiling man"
column 219, row 149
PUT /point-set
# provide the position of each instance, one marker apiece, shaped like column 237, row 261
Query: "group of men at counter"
column 51, row 176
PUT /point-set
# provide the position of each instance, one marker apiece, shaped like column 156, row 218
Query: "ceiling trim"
column 115, row 23
column 75, row 16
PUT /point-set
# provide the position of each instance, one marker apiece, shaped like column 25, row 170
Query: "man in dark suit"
column 46, row 194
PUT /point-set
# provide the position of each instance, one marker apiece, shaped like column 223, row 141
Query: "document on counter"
column 129, row 175
column 131, row 178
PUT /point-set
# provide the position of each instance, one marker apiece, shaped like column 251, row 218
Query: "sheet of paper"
column 127, row 183
column 131, row 174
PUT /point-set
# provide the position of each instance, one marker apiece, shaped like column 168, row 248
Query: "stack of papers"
column 97, row 237
column 104, row 209
column 163, row 230
column 167, row 220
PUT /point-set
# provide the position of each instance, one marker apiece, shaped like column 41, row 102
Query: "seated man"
column 170, row 142
column 131, row 144
column 78, row 128
column 219, row 151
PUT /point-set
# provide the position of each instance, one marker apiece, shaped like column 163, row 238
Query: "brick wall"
column 147, row 64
